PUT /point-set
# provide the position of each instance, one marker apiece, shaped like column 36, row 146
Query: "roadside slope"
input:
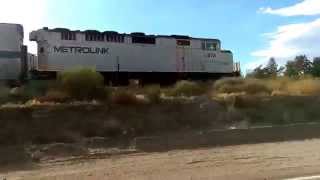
column 258, row 161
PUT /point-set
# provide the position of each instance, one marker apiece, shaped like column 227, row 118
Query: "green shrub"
column 153, row 93
column 240, row 85
column 14, row 95
column 36, row 88
column 4, row 91
column 83, row 84
column 186, row 88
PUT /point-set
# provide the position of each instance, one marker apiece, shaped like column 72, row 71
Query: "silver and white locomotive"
column 120, row 57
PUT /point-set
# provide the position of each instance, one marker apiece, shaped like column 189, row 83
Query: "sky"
column 254, row 30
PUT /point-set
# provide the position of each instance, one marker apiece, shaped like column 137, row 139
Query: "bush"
column 36, row 88
column 54, row 96
column 4, row 94
column 14, row 95
column 153, row 93
column 124, row 97
column 239, row 85
column 83, row 84
column 229, row 85
column 186, row 88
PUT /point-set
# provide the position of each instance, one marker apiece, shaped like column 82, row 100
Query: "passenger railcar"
column 13, row 54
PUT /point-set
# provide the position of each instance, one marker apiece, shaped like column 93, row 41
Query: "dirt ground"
column 257, row 161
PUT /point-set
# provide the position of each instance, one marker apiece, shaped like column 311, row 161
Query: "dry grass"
column 54, row 96
column 294, row 87
column 291, row 100
column 186, row 88
column 305, row 87
column 278, row 84
column 125, row 97
column 240, row 85
column 282, row 86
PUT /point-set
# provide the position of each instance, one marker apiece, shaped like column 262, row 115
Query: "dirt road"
column 258, row 161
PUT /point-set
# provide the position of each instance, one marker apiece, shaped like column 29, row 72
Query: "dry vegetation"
column 186, row 88
column 278, row 86
column 304, row 87
column 239, row 85
column 135, row 110
column 270, row 101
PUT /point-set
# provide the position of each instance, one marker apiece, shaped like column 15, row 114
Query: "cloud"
column 248, row 67
column 305, row 7
column 31, row 14
column 291, row 40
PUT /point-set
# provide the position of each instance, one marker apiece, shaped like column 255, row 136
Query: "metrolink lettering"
column 80, row 50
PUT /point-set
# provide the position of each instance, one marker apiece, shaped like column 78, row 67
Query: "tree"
column 300, row 66
column 291, row 69
column 316, row 67
column 305, row 64
column 258, row 72
column 271, row 70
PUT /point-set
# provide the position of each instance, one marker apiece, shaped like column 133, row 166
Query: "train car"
column 120, row 57
column 13, row 54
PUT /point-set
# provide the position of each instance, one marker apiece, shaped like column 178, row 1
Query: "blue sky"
column 253, row 29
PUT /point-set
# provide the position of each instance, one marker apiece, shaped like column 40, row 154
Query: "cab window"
column 209, row 46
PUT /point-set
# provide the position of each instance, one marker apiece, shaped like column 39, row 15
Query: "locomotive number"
column 211, row 55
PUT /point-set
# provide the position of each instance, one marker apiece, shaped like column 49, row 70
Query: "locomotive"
column 120, row 57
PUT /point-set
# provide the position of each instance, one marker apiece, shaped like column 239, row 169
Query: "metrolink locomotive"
column 121, row 57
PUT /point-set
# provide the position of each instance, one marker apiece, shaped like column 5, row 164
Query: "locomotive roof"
column 11, row 24
column 19, row 27
column 135, row 34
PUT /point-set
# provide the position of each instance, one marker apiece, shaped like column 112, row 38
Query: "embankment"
column 229, row 137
